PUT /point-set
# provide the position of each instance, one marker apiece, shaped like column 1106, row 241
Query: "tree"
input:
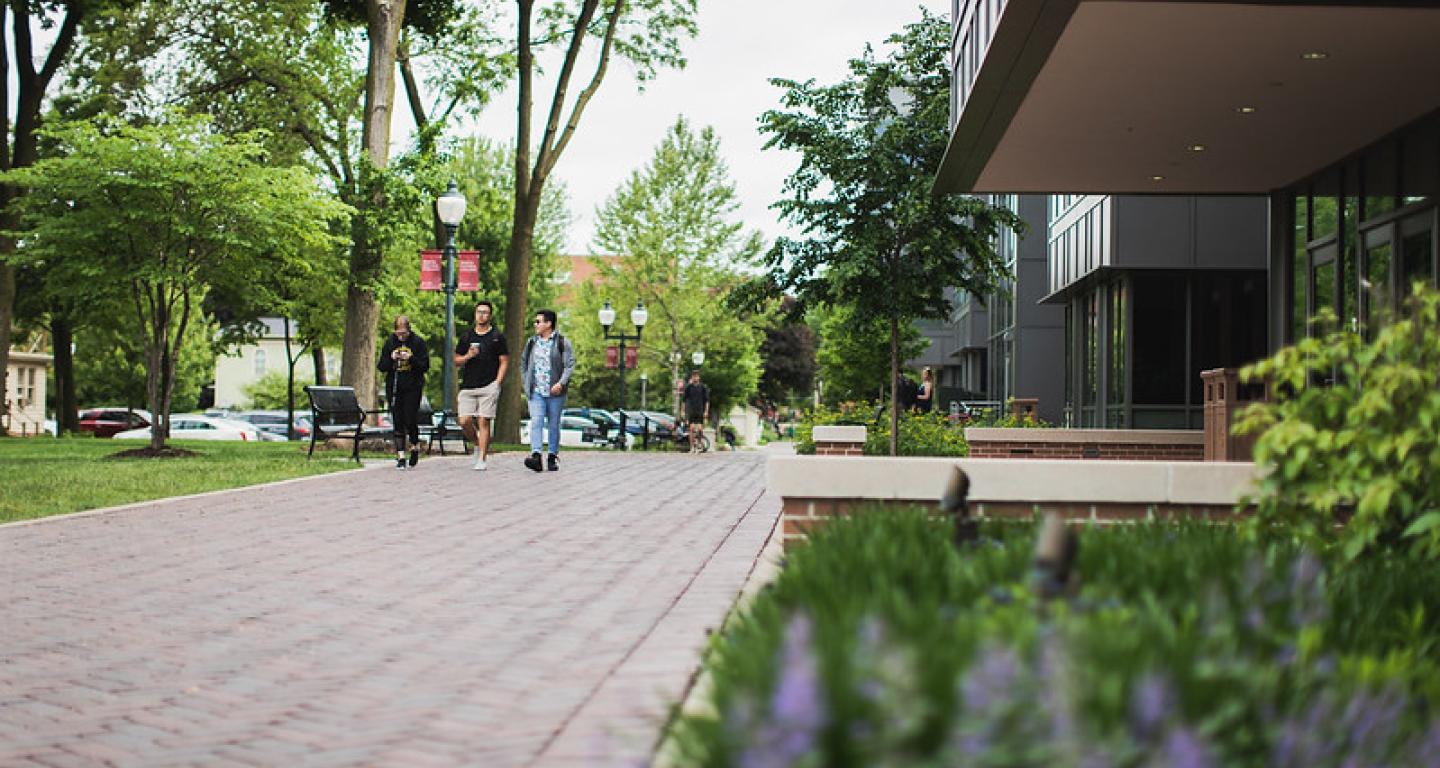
column 324, row 92
column 20, row 146
column 852, row 360
column 647, row 33
column 674, row 222
column 787, row 357
column 875, row 238
column 170, row 210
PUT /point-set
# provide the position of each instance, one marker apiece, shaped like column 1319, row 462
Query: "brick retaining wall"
column 1102, row 444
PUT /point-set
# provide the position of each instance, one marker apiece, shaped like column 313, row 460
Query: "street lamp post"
column 644, row 382
column 638, row 316
column 450, row 209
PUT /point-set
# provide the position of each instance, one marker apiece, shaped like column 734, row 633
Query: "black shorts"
column 694, row 416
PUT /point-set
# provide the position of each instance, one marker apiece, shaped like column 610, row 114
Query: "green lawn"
column 40, row 477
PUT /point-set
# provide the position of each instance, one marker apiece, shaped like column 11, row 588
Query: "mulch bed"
column 154, row 453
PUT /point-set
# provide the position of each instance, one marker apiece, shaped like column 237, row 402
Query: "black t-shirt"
column 695, row 397
column 481, row 370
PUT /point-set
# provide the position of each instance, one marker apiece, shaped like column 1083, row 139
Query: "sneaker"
column 400, row 464
column 554, row 463
column 414, row 456
column 533, row 462
column 479, row 465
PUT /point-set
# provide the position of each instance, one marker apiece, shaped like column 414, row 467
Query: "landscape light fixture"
column 450, row 209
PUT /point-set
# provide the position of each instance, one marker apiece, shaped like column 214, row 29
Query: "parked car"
column 107, row 421
column 273, row 422
column 574, row 431
column 197, row 426
column 661, row 425
column 608, row 422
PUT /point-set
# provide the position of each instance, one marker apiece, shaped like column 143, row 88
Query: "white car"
column 194, row 426
column 574, row 431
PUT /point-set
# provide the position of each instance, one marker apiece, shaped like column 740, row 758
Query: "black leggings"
column 405, row 413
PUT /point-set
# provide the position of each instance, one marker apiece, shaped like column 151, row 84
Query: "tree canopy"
column 162, row 214
column 874, row 237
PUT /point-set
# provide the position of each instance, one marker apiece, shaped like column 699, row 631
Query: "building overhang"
column 1120, row 96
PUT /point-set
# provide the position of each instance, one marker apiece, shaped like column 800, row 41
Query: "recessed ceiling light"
column 1157, row 178
column 1247, row 110
column 1196, row 147
column 1314, row 55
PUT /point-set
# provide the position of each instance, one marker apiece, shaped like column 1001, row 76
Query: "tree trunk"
column 362, row 312
column 7, row 318
column 67, row 411
column 517, row 281
column 894, row 384
column 317, row 359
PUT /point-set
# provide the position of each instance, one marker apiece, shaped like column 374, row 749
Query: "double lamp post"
column 638, row 316
column 450, row 209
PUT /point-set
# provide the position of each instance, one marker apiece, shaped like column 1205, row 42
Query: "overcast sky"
column 742, row 43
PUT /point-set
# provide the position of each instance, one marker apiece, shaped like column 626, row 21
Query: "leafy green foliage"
column 1353, row 430
column 157, row 216
column 271, row 391
column 876, row 239
column 921, row 434
column 853, row 357
column 881, row 644
column 673, row 225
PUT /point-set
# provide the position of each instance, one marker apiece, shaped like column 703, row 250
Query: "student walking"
column 546, row 365
column 697, row 409
column 485, row 358
column 404, row 360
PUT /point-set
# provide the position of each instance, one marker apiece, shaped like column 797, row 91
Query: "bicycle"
column 682, row 438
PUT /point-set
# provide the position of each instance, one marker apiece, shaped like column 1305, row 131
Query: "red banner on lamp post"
column 431, row 267
column 468, row 271
column 612, row 357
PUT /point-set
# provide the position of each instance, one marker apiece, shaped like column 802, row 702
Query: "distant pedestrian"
column 485, row 358
column 546, row 365
column 925, row 395
column 697, row 409
column 404, row 360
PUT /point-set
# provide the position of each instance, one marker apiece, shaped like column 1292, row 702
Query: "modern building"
column 24, row 412
column 1122, row 110
column 243, row 365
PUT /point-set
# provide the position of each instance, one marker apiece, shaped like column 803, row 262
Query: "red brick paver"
column 433, row 617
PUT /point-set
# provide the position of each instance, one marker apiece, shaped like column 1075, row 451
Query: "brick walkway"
column 436, row 617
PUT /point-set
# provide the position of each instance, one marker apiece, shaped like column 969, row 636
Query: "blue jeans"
column 545, row 413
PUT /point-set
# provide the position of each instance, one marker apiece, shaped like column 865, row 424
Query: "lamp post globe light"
column 638, row 316
column 698, row 358
column 450, row 209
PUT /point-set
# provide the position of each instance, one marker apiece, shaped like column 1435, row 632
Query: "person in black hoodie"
column 404, row 360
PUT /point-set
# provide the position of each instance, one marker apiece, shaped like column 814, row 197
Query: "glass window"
column 1298, row 269
column 1089, row 390
column 260, row 362
column 1416, row 257
column 1157, row 370
column 1377, row 285
column 1322, row 277
column 1350, row 287
column 1381, row 179
column 1117, row 343
column 1326, row 221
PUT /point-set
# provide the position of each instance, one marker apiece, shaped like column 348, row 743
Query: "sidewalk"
column 434, row 617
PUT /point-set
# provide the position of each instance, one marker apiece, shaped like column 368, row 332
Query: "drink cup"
column 474, row 346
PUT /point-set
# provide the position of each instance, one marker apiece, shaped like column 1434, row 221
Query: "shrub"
column 1354, row 430
column 880, row 644
column 921, row 434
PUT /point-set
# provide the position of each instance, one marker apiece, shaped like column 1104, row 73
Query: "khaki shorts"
column 481, row 402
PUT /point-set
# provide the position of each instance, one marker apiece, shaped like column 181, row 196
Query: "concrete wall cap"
column 838, row 434
column 1084, row 481
column 1106, row 436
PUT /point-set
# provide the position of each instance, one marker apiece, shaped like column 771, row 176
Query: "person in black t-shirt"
column 404, row 360
column 697, row 408
column 484, row 359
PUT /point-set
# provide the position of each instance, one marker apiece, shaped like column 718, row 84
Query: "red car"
column 105, row 422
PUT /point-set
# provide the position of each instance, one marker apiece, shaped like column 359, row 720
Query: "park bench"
column 335, row 412
column 430, row 432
